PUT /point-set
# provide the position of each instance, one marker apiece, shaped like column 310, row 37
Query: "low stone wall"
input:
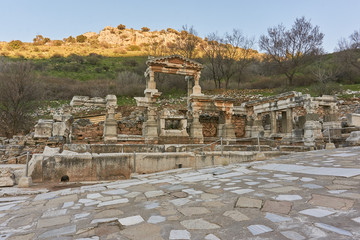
column 50, row 167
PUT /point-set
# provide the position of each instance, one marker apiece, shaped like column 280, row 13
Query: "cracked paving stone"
column 156, row 219
column 312, row 186
column 316, row 212
column 113, row 202
column 81, row 215
column 236, row 215
column 128, row 221
column 292, row 235
column 211, row 237
column 288, row 197
column 198, row 224
column 242, row 191
column 179, row 234
column 48, row 222
column 54, row 213
column 333, row 229
column 259, row 229
column 59, row 232
column 276, row 218
column 356, row 219
column 283, row 189
column 189, row 211
column 152, row 194
column 331, row 202
column 245, row 202
column 179, row 194
column 180, row 201
column 283, row 207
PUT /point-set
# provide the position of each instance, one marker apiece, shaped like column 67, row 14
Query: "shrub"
column 121, row 27
column 129, row 84
column 170, row 30
column 133, row 48
column 57, row 42
column 70, row 39
column 145, row 29
column 15, row 44
column 81, row 38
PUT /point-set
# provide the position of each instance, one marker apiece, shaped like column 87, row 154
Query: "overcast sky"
column 56, row 19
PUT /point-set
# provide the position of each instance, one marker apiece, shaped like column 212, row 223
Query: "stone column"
column 197, row 89
column 189, row 80
column 151, row 84
column 312, row 130
column 289, row 121
column 196, row 128
column 150, row 127
column 273, row 124
column 110, row 126
column 228, row 131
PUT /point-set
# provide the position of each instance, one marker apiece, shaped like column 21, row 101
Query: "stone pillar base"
column 196, row 132
column 228, row 131
column 330, row 146
column 25, row 182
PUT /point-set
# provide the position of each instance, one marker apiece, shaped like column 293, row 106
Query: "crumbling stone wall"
column 239, row 124
column 84, row 130
column 130, row 127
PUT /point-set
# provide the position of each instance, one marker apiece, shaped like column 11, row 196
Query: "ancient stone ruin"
column 210, row 130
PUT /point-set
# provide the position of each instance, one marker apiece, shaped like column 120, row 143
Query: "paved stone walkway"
column 312, row 195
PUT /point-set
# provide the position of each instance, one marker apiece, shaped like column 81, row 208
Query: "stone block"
column 282, row 207
column 43, row 129
column 25, row 182
column 7, row 178
column 354, row 138
column 78, row 100
column 353, row 119
column 111, row 100
column 59, row 129
column 245, row 202
column 332, row 202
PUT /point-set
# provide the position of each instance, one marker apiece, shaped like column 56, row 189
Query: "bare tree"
column 291, row 48
column 18, row 94
column 227, row 56
column 349, row 50
column 186, row 43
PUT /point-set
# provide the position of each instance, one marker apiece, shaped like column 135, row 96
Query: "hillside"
column 109, row 42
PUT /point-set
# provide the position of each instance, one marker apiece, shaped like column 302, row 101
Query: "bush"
column 70, row 39
column 129, row 84
column 121, row 27
column 81, row 38
column 145, row 29
column 133, row 48
column 57, row 42
column 15, row 44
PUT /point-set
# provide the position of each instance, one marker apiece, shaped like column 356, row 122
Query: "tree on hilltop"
column 121, row 27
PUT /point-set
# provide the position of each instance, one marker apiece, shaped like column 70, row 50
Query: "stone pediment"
column 174, row 61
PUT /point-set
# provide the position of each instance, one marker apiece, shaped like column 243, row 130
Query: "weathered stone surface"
column 283, row 207
column 331, row 202
column 43, row 129
column 7, row 178
column 59, row 232
column 59, row 129
column 48, row 222
column 143, row 231
column 199, row 224
column 245, row 202
column 283, row 189
column 179, row 194
column 188, row 211
column 236, row 215
column 179, row 234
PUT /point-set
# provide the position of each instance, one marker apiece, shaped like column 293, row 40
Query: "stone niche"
column 172, row 124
